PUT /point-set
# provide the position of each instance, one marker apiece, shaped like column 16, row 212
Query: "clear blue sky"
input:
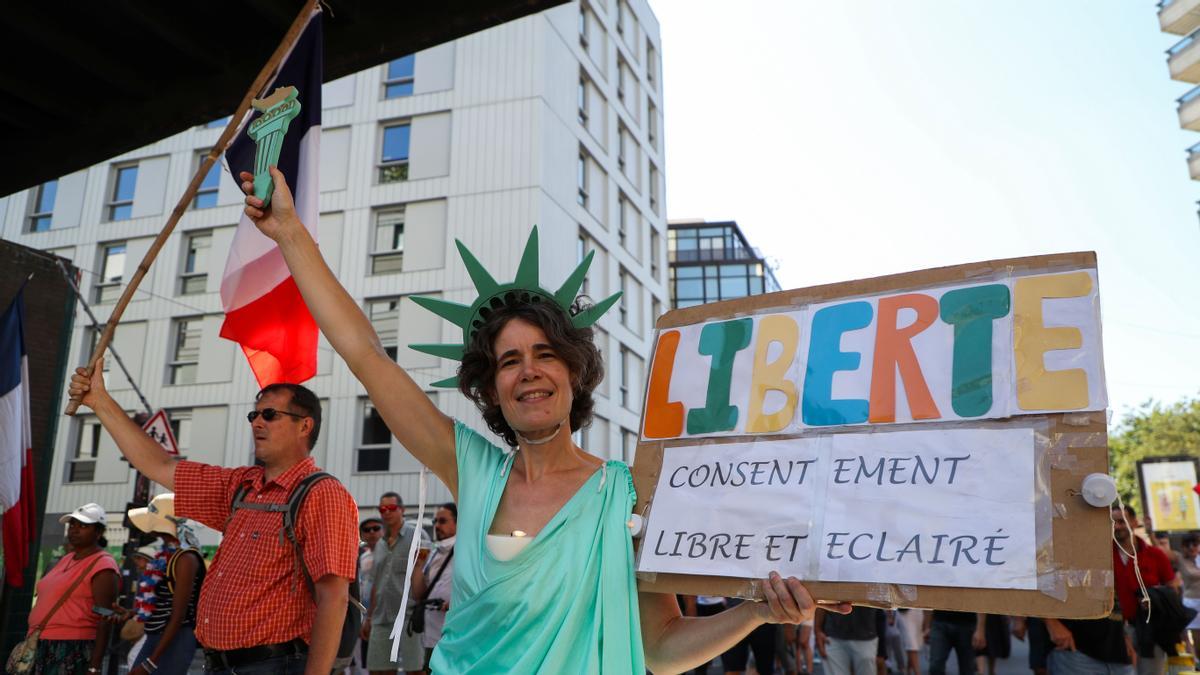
column 853, row 139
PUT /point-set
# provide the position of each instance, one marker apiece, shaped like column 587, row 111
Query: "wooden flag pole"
column 285, row 45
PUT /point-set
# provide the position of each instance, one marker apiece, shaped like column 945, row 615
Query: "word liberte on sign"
column 1015, row 345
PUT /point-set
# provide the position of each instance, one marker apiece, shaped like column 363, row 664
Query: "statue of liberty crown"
column 524, row 288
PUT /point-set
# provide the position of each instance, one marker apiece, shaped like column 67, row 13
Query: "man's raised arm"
column 143, row 452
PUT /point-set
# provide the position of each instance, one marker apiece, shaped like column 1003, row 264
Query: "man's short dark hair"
column 304, row 402
column 452, row 508
column 1190, row 539
column 393, row 495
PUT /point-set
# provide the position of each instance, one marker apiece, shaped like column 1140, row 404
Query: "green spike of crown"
column 525, row 287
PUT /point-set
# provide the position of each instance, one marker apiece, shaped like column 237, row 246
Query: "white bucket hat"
column 88, row 513
column 158, row 516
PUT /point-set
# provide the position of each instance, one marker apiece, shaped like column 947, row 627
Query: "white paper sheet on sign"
column 952, row 507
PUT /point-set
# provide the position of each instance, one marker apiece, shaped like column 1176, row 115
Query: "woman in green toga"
column 543, row 569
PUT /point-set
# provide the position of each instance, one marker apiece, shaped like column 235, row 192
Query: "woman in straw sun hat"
column 170, row 629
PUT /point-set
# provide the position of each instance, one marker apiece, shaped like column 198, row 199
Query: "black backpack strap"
column 237, row 503
column 291, row 511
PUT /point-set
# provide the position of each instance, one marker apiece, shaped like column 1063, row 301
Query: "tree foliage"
column 1153, row 430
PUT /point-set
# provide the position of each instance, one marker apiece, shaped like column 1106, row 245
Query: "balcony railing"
column 1183, row 44
column 1188, row 109
column 1183, row 59
column 1179, row 17
column 1190, row 96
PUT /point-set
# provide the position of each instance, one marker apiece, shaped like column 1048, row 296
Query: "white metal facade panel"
column 429, row 149
column 433, row 69
column 150, row 191
column 68, row 201
column 335, row 158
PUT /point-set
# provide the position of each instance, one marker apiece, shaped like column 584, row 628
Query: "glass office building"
column 713, row 261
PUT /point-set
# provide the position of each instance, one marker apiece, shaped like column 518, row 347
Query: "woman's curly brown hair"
column 575, row 346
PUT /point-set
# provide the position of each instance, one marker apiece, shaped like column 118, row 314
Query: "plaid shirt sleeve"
column 203, row 492
column 327, row 528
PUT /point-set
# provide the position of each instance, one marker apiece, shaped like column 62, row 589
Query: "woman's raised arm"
column 416, row 422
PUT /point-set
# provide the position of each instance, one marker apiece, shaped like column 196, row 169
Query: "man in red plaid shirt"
column 256, row 613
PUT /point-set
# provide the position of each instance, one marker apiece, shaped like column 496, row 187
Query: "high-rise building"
column 1182, row 17
column 714, row 261
column 554, row 119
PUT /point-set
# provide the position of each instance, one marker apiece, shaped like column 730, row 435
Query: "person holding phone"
column 73, row 635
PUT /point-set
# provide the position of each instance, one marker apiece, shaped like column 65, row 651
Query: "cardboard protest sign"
column 1169, row 499
column 891, row 441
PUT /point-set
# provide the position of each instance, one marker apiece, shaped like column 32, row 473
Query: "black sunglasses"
column 372, row 528
column 269, row 414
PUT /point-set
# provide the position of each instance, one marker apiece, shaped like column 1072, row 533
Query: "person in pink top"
column 74, row 637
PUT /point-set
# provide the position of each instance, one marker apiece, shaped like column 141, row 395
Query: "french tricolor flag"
column 264, row 312
column 16, row 446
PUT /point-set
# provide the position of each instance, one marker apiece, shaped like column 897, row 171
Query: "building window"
column 42, row 210
column 206, row 196
column 698, row 284
column 621, row 18
column 82, row 468
column 652, row 178
column 583, row 100
column 93, row 341
column 393, row 156
column 583, row 25
column 628, row 445
column 185, row 350
column 582, row 247
column 387, row 253
column 624, row 301
column 652, row 126
column 582, row 179
column 180, row 420
column 654, row 253
column 621, row 68
column 622, row 141
column 112, row 272
column 384, row 314
column 655, row 311
column 120, row 203
column 374, row 440
column 651, row 65
column 622, row 220
column 194, row 278
column 399, row 80
column 623, row 376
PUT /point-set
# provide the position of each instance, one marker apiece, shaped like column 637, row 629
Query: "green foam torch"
column 278, row 110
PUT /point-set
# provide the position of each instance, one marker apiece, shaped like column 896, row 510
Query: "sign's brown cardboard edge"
column 892, row 282
column 1081, row 552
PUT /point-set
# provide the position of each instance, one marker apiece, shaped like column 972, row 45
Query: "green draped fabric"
column 567, row 603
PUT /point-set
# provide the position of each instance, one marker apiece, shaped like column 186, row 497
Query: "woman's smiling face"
column 533, row 385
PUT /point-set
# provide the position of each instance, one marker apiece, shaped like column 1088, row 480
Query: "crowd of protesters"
column 255, row 586
column 911, row 641
column 144, row 611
